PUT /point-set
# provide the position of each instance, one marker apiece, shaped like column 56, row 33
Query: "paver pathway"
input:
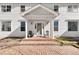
column 40, row 50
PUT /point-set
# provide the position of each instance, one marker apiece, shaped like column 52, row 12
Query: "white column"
column 26, row 29
column 0, row 26
column 42, row 29
column 78, row 26
column 52, row 29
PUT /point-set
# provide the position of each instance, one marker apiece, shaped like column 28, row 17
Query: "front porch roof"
column 43, row 7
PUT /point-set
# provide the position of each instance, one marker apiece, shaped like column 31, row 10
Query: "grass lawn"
column 66, row 41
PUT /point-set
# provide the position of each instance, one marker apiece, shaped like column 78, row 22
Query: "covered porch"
column 39, row 21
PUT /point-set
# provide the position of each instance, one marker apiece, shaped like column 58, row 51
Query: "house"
column 40, row 19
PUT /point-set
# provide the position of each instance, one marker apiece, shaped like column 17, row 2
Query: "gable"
column 39, row 10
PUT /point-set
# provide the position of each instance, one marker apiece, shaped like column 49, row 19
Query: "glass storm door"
column 39, row 28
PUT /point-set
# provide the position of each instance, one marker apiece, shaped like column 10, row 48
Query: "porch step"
column 39, row 42
column 39, row 39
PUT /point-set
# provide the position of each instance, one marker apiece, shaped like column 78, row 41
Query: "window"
column 75, row 8
column 55, row 25
column 22, row 8
column 69, row 8
column 6, row 26
column 22, row 26
column 56, row 8
column 72, row 8
column 72, row 26
column 6, row 8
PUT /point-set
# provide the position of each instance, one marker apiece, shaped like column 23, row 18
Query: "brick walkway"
column 40, row 50
column 38, row 47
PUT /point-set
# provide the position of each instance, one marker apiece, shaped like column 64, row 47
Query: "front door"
column 39, row 29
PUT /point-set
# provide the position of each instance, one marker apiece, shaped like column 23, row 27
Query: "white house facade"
column 39, row 19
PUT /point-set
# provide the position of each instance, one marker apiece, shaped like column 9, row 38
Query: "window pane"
column 3, row 8
column 55, row 25
column 55, row 28
column 70, row 8
column 6, row 8
column 9, row 7
column 6, row 26
column 72, row 26
column 56, row 8
column 22, row 8
column 22, row 26
column 75, row 8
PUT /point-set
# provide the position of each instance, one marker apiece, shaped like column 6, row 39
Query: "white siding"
column 15, row 16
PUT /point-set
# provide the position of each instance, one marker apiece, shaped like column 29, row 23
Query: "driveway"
column 40, row 50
